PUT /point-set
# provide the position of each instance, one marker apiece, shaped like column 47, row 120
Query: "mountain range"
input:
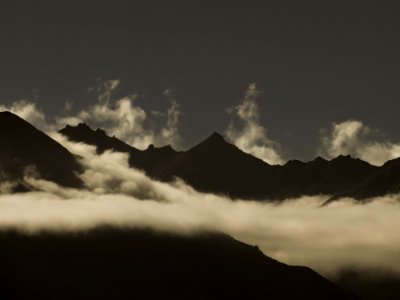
column 213, row 165
column 216, row 166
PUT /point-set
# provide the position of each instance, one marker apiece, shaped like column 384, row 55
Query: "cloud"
column 354, row 138
column 171, row 132
column 299, row 231
column 252, row 136
column 105, row 88
column 126, row 120
column 122, row 118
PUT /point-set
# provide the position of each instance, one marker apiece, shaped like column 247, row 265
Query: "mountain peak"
column 51, row 160
column 7, row 116
column 213, row 142
column 151, row 147
column 216, row 137
column 101, row 131
column 6, row 113
column 320, row 159
column 83, row 133
column 81, row 125
column 344, row 157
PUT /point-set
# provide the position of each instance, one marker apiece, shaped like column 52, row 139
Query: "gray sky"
column 316, row 61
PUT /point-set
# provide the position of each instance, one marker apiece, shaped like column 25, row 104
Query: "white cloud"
column 122, row 118
column 105, row 88
column 170, row 133
column 354, row 138
column 252, row 137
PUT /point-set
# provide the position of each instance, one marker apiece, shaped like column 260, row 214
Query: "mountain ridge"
column 216, row 166
column 213, row 165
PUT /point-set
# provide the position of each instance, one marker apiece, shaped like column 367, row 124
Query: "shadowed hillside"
column 141, row 264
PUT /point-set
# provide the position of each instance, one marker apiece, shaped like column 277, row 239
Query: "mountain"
column 213, row 165
column 385, row 180
column 149, row 160
column 23, row 149
column 217, row 166
column 142, row 264
column 321, row 176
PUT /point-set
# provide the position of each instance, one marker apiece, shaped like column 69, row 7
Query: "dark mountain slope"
column 23, row 146
column 385, row 180
column 212, row 166
column 140, row 264
column 321, row 176
column 217, row 166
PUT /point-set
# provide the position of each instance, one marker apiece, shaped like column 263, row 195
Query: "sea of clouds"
column 298, row 231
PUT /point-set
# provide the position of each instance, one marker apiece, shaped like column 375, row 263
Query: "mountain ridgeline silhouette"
column 213, row 165
column 217, row 166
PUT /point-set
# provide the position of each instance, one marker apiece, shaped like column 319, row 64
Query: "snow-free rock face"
column 24, row 149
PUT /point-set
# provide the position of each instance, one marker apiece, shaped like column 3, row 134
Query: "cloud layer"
column 299, row 231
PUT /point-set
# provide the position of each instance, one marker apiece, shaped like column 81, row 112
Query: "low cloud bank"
column 298, row 231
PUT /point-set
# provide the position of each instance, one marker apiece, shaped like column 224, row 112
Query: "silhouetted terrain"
column 141, row 264
column 370, row 284
column 22, row 146
column 217, row 166
column 150, row 160
column 213, row 165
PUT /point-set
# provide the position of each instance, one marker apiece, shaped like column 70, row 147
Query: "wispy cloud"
column 122, row 117
column 354, row 138
column 251, row 136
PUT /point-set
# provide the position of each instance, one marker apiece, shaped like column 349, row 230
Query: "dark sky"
column 316, row 61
